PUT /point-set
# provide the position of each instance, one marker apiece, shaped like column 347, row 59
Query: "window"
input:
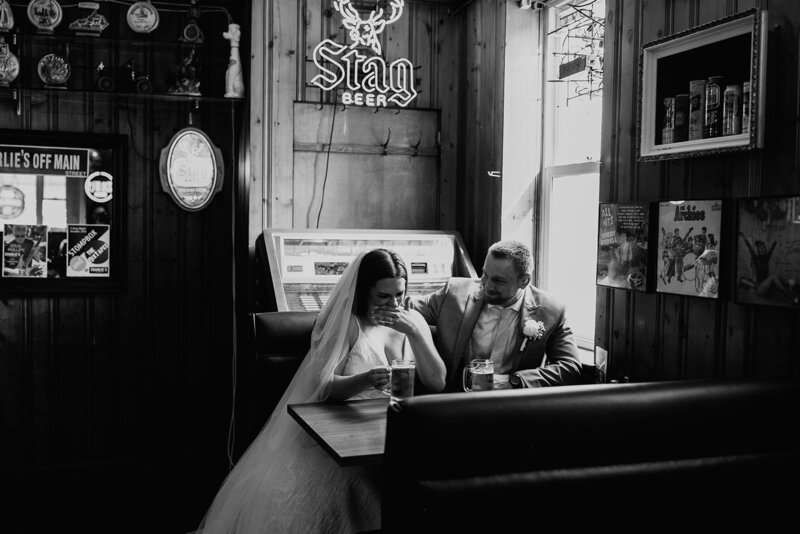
column 572, row 107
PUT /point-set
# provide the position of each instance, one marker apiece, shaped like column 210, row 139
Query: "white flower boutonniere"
column 532, row 330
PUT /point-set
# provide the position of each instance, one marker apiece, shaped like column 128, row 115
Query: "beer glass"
column 478, row 376
column 402, row 380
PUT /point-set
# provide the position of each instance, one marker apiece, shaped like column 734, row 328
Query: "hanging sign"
column 61, row 161
column 359, row 69
column 191, row 169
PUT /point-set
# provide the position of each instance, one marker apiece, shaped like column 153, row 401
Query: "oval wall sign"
column 191, row 169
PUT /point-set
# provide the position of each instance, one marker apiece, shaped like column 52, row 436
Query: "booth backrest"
column 632, row 457
column 281, row 341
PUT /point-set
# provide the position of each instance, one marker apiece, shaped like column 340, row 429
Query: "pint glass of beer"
column 478, row 375
column 402, row 380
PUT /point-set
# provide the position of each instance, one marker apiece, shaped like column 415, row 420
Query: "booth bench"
column 638, row 457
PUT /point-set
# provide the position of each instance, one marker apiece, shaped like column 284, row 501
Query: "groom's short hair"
column 515, row 251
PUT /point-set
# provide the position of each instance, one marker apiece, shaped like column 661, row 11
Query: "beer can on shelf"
column 713, row 120
column 731, row 110
column 697, row 108
column 668, row 125
column 746, row 107
column 681, row 117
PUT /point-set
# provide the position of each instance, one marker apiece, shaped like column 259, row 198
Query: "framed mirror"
column 62, row 212
column 703, row 90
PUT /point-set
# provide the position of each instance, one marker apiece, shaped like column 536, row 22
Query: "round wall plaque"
column 191, row 169
column 143, row 17
column 45, row 14
column 99, row 186
column 54, row 70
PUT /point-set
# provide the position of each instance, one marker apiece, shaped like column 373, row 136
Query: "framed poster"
column 61, row 212
column 690, row 233
column 768, row 251
column 622, row 245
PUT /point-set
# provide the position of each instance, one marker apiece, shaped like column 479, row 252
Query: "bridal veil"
column 285, row 482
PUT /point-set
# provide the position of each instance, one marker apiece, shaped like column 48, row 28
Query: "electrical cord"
column 327, row 160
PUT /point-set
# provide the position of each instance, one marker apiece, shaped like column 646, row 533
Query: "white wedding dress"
column 285, row 482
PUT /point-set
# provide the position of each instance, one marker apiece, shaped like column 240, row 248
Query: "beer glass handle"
column 464, row 379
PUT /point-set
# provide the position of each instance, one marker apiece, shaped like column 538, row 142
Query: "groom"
column 521, row 328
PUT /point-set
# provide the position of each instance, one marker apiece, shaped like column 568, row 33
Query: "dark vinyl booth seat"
column 282, row 340
column 638, row 457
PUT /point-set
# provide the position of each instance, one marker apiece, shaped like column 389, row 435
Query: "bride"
column 285, row 482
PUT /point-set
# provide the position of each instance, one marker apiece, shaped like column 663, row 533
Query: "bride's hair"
column 376, row 265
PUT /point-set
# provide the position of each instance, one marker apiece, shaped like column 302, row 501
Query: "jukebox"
column 296, row 269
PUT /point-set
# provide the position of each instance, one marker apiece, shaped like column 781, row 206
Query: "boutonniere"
column 533, row 330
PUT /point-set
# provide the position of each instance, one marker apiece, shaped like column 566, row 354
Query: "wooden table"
column 352, row 432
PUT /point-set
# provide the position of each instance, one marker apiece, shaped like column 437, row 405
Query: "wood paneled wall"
column 457, row 50
column 114, row 408
column 663, row 336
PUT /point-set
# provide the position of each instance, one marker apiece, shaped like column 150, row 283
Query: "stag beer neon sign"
column 366, row 79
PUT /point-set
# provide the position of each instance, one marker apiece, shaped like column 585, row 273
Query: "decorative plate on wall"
column 54, row 70
column 143, row 17
column 45, row 14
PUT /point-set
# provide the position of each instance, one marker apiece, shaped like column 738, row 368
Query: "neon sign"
column 366, row 79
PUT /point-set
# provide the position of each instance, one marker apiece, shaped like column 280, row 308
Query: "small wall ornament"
column 45, row 15
column 9, row 64
column 54, row 70
column 192, row 169
column 191, row 32
column 92, row 24
column 6, row 16
column 234, row 83
column 143, row 17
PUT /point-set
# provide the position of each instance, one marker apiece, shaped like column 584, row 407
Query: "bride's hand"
column 397, row 318
column 379, row 376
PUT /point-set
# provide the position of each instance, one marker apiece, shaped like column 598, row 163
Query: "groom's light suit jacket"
column 454, row 310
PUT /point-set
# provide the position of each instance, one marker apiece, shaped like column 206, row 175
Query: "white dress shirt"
column 495, row 335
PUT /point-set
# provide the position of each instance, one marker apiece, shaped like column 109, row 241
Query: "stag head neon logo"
column 364, row 79
column 365, row 32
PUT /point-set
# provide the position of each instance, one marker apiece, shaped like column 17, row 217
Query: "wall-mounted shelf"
column 158, row 59
column 734, row 49
column 14, row 93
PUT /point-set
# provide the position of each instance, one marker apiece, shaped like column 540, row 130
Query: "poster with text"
column 768, row 251
column 623, row 230
column 88, row 250
column 688, row 249
column 24, row 251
